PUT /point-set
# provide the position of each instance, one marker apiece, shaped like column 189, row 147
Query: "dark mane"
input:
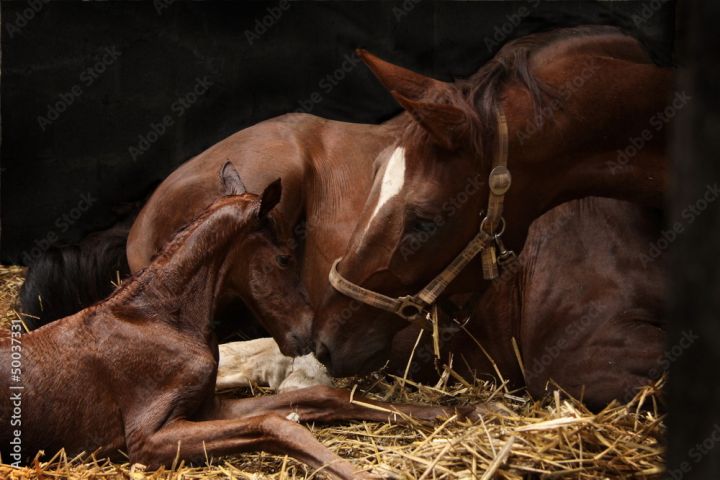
column 480, row 93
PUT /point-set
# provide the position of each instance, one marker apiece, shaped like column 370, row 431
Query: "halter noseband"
column 416, row 307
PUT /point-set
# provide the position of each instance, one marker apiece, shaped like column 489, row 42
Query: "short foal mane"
column 169, row 249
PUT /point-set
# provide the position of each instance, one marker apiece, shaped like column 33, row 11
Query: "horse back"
column 260, row 153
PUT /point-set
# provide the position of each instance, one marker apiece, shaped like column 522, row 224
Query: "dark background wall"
column 694, row 388
column 86, row 87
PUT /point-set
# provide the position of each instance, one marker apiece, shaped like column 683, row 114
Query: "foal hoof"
column 305, row 372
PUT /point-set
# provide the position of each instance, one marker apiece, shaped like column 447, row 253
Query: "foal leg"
column 268, row 432
column 260, row 362
column 327, row 404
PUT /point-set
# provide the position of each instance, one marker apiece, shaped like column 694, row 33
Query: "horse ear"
column 447, row 125
column 270, row 198
column 230, row 180
column 398, row 79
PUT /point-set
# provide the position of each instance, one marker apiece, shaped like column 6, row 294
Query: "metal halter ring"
column 502, row 227
column 411, row 308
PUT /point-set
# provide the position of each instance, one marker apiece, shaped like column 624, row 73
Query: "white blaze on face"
column 393, row 180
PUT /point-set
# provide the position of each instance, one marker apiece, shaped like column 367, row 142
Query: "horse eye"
column 424, row 226
column 283, row 260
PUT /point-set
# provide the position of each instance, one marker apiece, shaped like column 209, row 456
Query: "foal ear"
column 270, row 198
column 230, row 180
column 398, row 79
column 447, row 125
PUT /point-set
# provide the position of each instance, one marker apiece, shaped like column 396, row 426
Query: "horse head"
column 422, row 210
column 268, row 281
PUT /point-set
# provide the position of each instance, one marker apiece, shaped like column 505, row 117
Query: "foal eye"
column 283, row 260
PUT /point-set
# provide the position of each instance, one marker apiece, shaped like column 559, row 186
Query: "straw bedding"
column 519, row 438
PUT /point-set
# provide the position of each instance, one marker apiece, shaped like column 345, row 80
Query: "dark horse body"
column 137, row 372
column 67, row 278
column 585, row 304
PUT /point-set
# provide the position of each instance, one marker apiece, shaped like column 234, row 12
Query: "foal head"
column 265, row 272
column 422, row 210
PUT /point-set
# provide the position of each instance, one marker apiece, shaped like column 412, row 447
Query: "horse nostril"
column 322, row 353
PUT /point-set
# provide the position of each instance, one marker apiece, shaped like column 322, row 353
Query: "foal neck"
column 182, row 283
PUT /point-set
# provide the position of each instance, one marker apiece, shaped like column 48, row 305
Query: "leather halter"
column 417, row 307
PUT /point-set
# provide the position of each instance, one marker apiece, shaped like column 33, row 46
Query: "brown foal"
column 137, row 371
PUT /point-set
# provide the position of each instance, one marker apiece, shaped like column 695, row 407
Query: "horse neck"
column 585, row 148
column 181, row 285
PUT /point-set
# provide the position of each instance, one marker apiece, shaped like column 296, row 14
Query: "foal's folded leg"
column 260, row 362
column 268, row 432
column 327, row 404
column 256, row 362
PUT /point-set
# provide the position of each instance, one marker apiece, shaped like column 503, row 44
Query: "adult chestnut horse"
column 326, row 168
column 571, row 99
column 146, row 380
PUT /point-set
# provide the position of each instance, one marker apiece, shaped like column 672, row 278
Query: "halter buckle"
column 499, row 180
column 410, row 308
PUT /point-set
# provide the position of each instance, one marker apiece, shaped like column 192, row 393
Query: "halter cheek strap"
column 499, row 182
column 417, row 307
column 412, row 307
